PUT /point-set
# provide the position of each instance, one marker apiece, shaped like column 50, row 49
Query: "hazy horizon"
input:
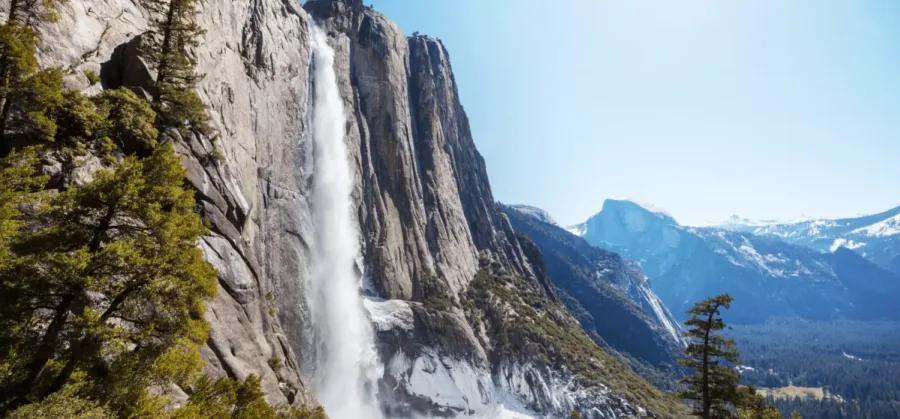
column 707, row 109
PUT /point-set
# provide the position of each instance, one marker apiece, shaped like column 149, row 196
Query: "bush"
column 275, row 363
column 92, row 76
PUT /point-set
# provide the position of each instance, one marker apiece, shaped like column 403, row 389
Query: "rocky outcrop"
column 426, row 205
column 426, row 212
column 255, row 58
column 610, row 297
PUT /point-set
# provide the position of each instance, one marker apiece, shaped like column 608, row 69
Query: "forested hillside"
column 855, row 364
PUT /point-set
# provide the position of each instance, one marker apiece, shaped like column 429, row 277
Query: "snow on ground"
column 506, row 407
column 850, row 244
column 389, row 314
column 456, row 386
column 661, row 313
column 848, row 356
column 578, row 229
column 744, row 368
column 888, row 227
column 447, row 382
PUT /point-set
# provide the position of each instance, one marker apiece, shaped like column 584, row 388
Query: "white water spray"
column 346, row 366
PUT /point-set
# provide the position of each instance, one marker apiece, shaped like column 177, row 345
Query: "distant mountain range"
column 875, row 237
column 774, row 270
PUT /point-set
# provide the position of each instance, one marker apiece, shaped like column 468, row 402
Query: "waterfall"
column 346, row 366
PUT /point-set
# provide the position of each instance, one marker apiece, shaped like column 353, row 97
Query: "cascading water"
column 346, row 366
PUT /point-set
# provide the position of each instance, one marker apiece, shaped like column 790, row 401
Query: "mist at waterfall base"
column 346, row 366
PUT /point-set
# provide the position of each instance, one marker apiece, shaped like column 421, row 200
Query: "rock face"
column 610, row 297
column 426, row 212
column 767, row 276
column 255, row 57
column 426, row 204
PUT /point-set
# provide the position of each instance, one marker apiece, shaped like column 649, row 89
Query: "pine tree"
column 129, row 121
column 26, row 92
column 751, row 405
column 173, row 32
column 114, row 280
column 226, row 398
column 713, row 386
column 19, row 185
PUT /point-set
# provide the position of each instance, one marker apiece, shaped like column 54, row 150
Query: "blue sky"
column 707, row 108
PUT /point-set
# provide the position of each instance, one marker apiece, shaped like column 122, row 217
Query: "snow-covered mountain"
column 748, row 225
column 875, row 237
column 768, row 275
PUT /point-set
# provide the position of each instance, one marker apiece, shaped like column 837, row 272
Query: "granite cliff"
column 464, row 318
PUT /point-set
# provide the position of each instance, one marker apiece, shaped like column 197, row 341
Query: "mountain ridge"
column 768, row 274
column 875, row 237
column 609, row 295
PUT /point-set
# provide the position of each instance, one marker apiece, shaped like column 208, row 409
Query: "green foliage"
column 113, row 270
column 434, row 293
column 113, row 118
column 92, row 76
column 26, row 94
column 66, row 403
column 789, row 351
column 19, row 185
column 751, row 405
column 103, row 285
column 275, row 363
column 226, row 398
column 33, row 13
column 173, row 32
column 504, row 304
column 79, row 122
column 714, row 384
column 574, row 415
column 129, row 120
column 215, row 156
column 32, row 101
column 439, row 303
column 303, row 412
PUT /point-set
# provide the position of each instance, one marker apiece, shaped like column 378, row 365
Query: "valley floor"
column 837, row 369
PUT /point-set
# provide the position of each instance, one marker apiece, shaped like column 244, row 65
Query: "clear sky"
column 707, row 108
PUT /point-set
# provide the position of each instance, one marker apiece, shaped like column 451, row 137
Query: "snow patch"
column 850, row 244
column 456, row 387
column 579, row 229
column 535, row 212
column 744, row 368
column 661, row 314
column 848, row 356
column 888, row 227
column 389, row 314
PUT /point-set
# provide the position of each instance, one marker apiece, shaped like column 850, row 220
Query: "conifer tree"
column 114, row 281
column 752, row 405
column 26, row 92
column 173, row 32
column 19, row 185
column 713, row 386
